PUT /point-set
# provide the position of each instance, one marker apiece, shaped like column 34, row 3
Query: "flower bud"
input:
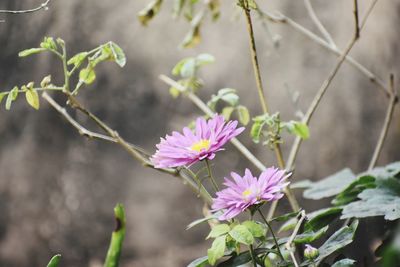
column 310, row 252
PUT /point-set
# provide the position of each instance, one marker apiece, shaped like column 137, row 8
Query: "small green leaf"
column 148, row 13
column 87, row 75
column 204, row 59
column 46, row 81
column 256, row 130
column 55, row 260
column 12, row 96
column 78, row 59
column 30, row 51
column 298, row 128
column 217, row 249
column 242, row 235
column 118, row 54
column 32, row 98
column 48, row 43
column 227, row 112
column 218, row 230
column 243, row 115
column 2, row 95
column 257, row 230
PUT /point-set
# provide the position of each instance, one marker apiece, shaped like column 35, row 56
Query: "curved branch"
column 43, row 5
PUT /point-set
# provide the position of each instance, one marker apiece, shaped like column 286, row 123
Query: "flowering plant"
column 241, row 234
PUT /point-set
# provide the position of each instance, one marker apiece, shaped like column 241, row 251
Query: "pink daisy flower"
column 243, row 192
column 187, row 148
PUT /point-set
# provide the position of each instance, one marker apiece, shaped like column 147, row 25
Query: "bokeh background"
column 58, row 190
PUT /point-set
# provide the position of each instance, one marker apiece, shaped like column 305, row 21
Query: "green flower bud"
column 310, row 252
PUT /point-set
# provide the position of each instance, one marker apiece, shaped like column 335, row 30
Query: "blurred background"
column 58, row 189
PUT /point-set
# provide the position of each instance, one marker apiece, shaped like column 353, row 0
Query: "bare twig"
column 43, row 5
column 132, row 150
column 388, row 118
column 317, row 99
column 289, row 243
column 318, row 23
column 239, row 146
column 280, row 18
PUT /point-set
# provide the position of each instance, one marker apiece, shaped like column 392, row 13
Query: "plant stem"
column 253, row 256
column 272, row 233
column 65, row 68
column 388, row 118
column 42, row 6
column 210, row 175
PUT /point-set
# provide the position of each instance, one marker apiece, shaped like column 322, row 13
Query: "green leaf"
column 46, row 81
column 32, row 98
column 30, row 51
column 351, row 192
column 344, row 263
column 117, row 54
column 54, row 261
column 243, row 115
column 205, row 219
column 381, row 201
column 2, row 95
column 117, row 238
column 188, row 68
column 298, row 128
column 227, row 112
column 242, row 235
column 257, row 230
column 148, row 13
column 330, row 186
column 87, row 75
column 218, row 230
column 229, row 96
column 193, row 37
column 200, row 262
column 338, row 240
column 243, row 258
column 12, row 96
column 78, row 59
column 285, row 217
column 310, row 236
column 322, row 218
column 177, row 68
column 256, row 130
column 217, row 249
column 204, row 59
column 48, row 44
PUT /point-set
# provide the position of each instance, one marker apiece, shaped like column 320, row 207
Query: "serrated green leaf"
column 218, row 230
column 78, row 59
column 330, row 186
column 55, row 260
column 32, row 98
column 257, row 230
column 241, row 234
column 87, row 75
column 31, row 51
column 149, row 12
column 243, row 114
column 217, row 249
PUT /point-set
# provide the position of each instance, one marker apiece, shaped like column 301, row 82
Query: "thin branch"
column 280, row 18
column 317, row 22
column 317, row 99
column 43, row 5
column 386, row 124
column 239, row 146
column 136, row 154
column 289, row 243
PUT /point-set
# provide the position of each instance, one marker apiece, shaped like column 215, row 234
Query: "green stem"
column 117, row 238
column 210, row 175
column 253, row 256
column 273, row 235
column 65, row 68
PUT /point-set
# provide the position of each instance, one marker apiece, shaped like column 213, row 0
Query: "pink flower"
column 243, row 192
column 187, row 148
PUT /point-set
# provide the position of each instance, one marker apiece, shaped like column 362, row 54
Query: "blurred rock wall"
column 57, row 189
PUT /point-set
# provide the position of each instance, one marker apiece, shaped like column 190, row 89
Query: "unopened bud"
column 310, row 252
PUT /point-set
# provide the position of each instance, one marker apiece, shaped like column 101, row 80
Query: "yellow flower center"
column 200, row 145
column 246, row 193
